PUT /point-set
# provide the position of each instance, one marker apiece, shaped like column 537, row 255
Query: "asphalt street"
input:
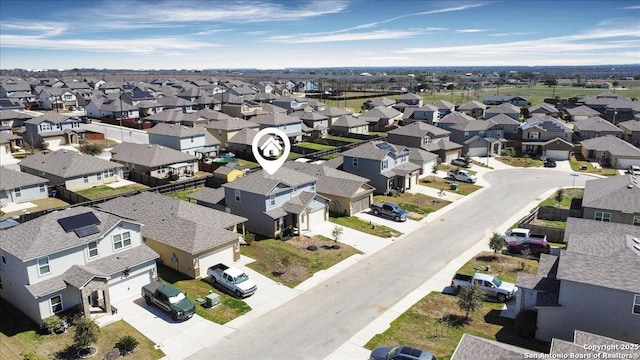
column 314, row 324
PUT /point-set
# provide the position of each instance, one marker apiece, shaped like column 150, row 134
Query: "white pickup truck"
column 491, row 285
column 461, row 175
column 234, row 279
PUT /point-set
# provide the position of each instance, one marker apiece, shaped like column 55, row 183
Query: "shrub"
column 51, row 323
column 497, row 243
column 526, row 323
column 470, row 299
column 126, row 344
column 249, row 238
column 31, row 356
column 91, row 148
column 86, row 333
column 559, row 195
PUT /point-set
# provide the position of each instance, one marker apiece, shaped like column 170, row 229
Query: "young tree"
column 497, row 243
column 559, row 195
column 286, row 263
column 87, row 332
column 337, row 233
column 435, row 168
column 470, row 299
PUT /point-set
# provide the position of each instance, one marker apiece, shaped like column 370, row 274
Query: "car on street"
column 461, row 162
column 634, row 170
column 550, row 163
column 400, row 353
column 533, row 245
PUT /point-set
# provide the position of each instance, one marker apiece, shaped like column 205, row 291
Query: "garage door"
column 477, row 151
column 224, row 256
column 54, row 143
column 557, row 154
column 625, row 163
column 129, row 287
column 361, row 204
column 315, row 218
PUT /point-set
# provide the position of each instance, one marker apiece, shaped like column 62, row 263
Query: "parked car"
column 491, row 285
column 634, row 170
column 535, row 246
column 521, row 234
column 233, row 279
column 400, row 353
column 461, row 162
column 550, row 163
column 168, row 298
column 461, row 175
column 85, row 120
column 389, row 209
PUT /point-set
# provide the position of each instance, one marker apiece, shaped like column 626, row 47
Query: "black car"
column 550, row 163
column 400, row 353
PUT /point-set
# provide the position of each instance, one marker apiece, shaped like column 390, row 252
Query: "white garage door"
column 54, row 143
column 129, row 287
column 625, row 163
column 477, row 151
column 316, row 217
column 224, row 256
column 556, row 154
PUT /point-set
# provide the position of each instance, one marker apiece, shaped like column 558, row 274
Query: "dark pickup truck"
column 389, row 209
column 168, row 298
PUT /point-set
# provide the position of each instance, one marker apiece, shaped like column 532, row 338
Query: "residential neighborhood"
column 108, row 185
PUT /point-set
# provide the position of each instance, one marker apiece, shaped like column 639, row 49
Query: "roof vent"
column 630, row 186
column 637, row 247
column 636, row 240
column 149, row 146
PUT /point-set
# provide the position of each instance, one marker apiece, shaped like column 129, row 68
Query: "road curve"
column 314, row 324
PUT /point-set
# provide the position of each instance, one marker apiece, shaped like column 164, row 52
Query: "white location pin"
column 273, row 152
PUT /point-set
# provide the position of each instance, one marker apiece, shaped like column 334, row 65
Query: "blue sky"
column 325, row 33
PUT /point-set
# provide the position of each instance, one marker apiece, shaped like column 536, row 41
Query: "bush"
column 51, row 324
column 31, row 356
column 249, row 238
column 91, row 148
column 126, row 344
column 526, row 323
column 86, row 333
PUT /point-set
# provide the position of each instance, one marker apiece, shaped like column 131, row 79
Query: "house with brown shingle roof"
column 473, row 108
column 631, row 131
column 594, row 127
column 611, row 151
column 613, row 199
column 347, row 124
column 581, row 112
column 155, row 160
column 426, row 137
column 382, row 118
column 196, row 141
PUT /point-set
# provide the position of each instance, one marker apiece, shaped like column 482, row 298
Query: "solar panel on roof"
column 74, row 222
column 86, row 231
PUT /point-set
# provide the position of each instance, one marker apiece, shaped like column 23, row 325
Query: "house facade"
column 195, row 141
column 631, row 131
column 86, row 259
column 539, row 132
column 155, row 160
column 288, row 124
column 54, row 129
column 613, row 199
column 594, row 127
column 426, row 137
column 611, row 151
column 18, row 187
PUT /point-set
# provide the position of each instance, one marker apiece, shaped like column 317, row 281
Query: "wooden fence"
column 553, row 234
column 557, row 214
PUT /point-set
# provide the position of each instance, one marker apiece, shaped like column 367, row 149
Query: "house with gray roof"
column 602, row 260
column 427, row 113
column 314, row 123
column 347, row 124
column 54, row 129
column 334, row 113
column 473, row 108
column 111, row 107
column 427, row 137
column 594, row 127
column 18, row 187
column 581, row 112
column 473, row 347
column 613, row 199
column 502, row 99
column 188, row 237
column 511, row 111
column 611, row 151
column 288, row 124
column 381, row 101
column 57, row 98
column 539, row 134
column 382, row 118
column 8, row 142
column 196, row 141
column 510, row 127
column 444, row 108
column 284, row 203
column 453, row 118
column 210, row 197
column 225, row 129
column 386, row 165
column 13, row 118
column 348, row 194
column 631, row 131
column 478, row 137
column 75, row 170
column 77, row 258
column 545, row 110
column 155, row 160
column 410, row 99
column 171, row 102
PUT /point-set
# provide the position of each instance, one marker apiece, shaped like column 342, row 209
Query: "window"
column 92, row 248
column 56, row 304
column 18, row 192
column 355, row 162
column 111, row 172
column 43, row 266
column 602, row 216
column 99, row 176
column 636, row 220
column 385, row 164
column 45, row 127
column 534, row 135
column 42, row 188
column 237, row 195
column 313, row 187
column 272, row 200
column 636, row 304
column 427, row 140
column 466, row 134
column 105, row 174
column 85, row 178
column 121, row 240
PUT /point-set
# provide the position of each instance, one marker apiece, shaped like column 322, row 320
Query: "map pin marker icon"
column 273, row 151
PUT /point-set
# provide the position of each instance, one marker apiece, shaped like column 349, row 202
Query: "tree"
column 87, row 332
column 559, row 195
column 286, row 263
column 126, row 344
column 337, row 233
column 91, row 148
column 470, row 299
column 497, row 243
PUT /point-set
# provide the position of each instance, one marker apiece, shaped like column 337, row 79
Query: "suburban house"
column 13, row 118
column 444, row 108
column 102, row 107
column 188, row 237
column 424, row 159
column 427, row 137
column 18, row 187
column 546, row 136
column 381, row 118
column 242, row 141
column 581, row 112
column 155, row 160
column 75, row 170
column 594, row 127
column 57, row 98
column 347, row 124
column 613, row 199
column 348, row 194
column 511, row 111
column 473, row 347
column 78, row 258
column 288, row 124
column 387, row 166
column 410, row 99
column 314, row 123
column 545, row 110
column 426, row 113
column 601, row 260
column 478, row 137
column 510, row 127
column 225, row 129
column 196, row 141
column 333, row 113
column 501, row 99
column 171, row 102
column 381, row 101
column 278, row 204
column 55, row 129
column 291, row 104
column 631, row 131
column 610, row 151
column 473, row 108
column 8, row 142
column 210, row 197
column 453, row 118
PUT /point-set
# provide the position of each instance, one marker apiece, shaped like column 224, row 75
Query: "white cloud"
column 211, row 31
column 470, row 30
column 355, row 36
column 510, row 34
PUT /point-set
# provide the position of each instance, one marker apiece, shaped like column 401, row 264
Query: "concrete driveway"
column 403, row 226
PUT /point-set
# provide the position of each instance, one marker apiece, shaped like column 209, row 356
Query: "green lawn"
column 19, row 335
column 420, row 326
column 418, row 205
column 578, row 163
column 567, row 196
column 366, row 227
column 229, row 307
column 103, row 191
column 302, row 263
column 41, row 204
column 316, row 147
column 343, row 139
column 520, row 161
column 440, row 183
column 555, row 224
column 246, row 164
column 182, row 195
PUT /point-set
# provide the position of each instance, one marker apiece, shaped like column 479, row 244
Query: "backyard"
column 290, row 262
column 418, row 205
column 40, row 204
column 424, row 325
column 104, row 191
column 315, row 147
column 366, row 227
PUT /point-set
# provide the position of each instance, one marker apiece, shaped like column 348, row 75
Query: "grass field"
column 567, row 196
column 440, row 183
column 418, row 205
column 316, row 147
column 100, row 192
column 182, row 195
column 366, row 227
